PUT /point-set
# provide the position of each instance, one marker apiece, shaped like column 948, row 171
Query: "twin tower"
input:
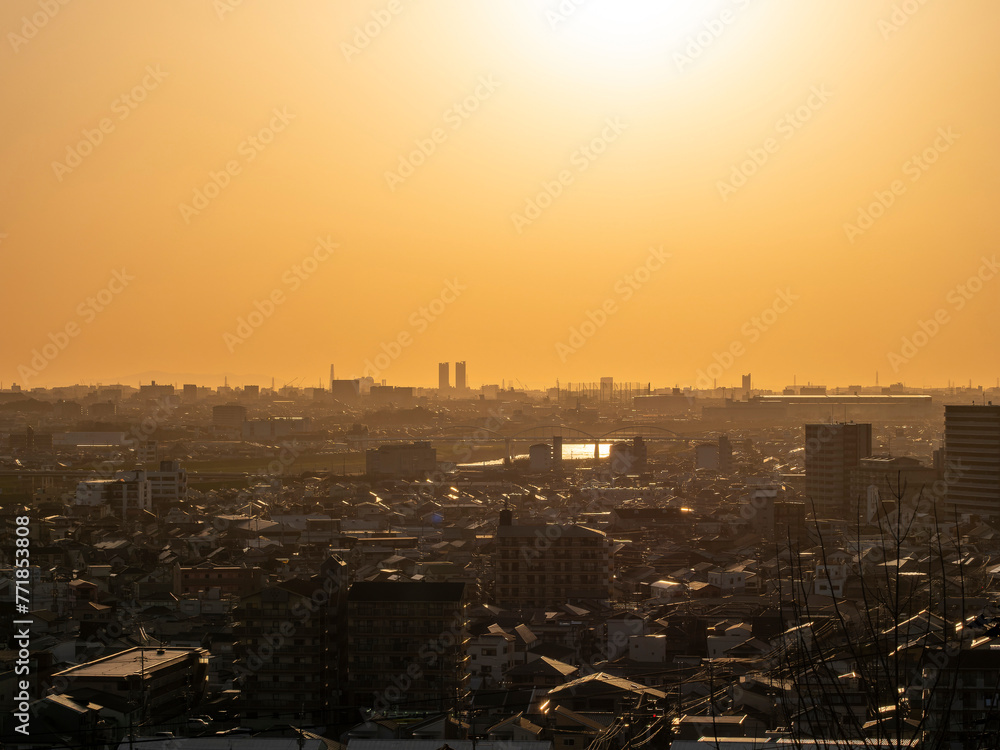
column 444, row 376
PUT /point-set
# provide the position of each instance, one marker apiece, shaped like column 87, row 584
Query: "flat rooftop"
column 134, row 661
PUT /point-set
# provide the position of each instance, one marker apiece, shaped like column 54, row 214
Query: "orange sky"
column 650, row 190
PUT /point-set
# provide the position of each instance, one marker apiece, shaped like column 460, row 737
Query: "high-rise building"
column 972, row 459
column 346, row 391
column 407, row 642
column 229, row 415
column 460, row 383
column 190, row 392
column 128, row 492
column 880, row 479
column 168, row 486
column 444, row 380
column 543, row 565
column 832, row 451
column 291, row 661
column 607, row 389
column 628, row 458
column 155, row 390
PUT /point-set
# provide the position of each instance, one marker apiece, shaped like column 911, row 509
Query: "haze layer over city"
column 523, row 375
column 486, row 177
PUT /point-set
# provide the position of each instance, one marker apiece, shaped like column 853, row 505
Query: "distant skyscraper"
column 460, row 376
column 746, row 382
column 972, row 458
column 832, row 450
column 607, row 389
column 444, row 381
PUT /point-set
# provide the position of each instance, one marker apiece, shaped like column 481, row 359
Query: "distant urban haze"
column 247, row 190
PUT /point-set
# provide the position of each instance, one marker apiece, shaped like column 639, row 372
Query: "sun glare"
column 617, row 36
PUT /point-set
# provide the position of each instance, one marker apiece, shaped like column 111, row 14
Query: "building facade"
column 542, row 565
column 407, row 643
column 163, row 682
column 833, row 450
column 289, row 648
column 972, row 458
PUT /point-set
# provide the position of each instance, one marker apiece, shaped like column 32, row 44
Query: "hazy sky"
column 652, row 190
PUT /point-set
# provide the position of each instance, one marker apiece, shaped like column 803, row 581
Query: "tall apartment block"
column 407, row 643
column 972, row 459
column 832, row 451
column 444, row 380
column 291, row 662
column 542, row 565
column 460, row 382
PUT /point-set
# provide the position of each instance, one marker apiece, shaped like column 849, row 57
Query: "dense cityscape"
column 499, row 375
column 598, row 565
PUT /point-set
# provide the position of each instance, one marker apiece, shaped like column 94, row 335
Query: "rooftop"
column 134, row 661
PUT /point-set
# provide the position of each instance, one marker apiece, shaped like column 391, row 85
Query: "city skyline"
column 554, row 190
column 264, row 382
